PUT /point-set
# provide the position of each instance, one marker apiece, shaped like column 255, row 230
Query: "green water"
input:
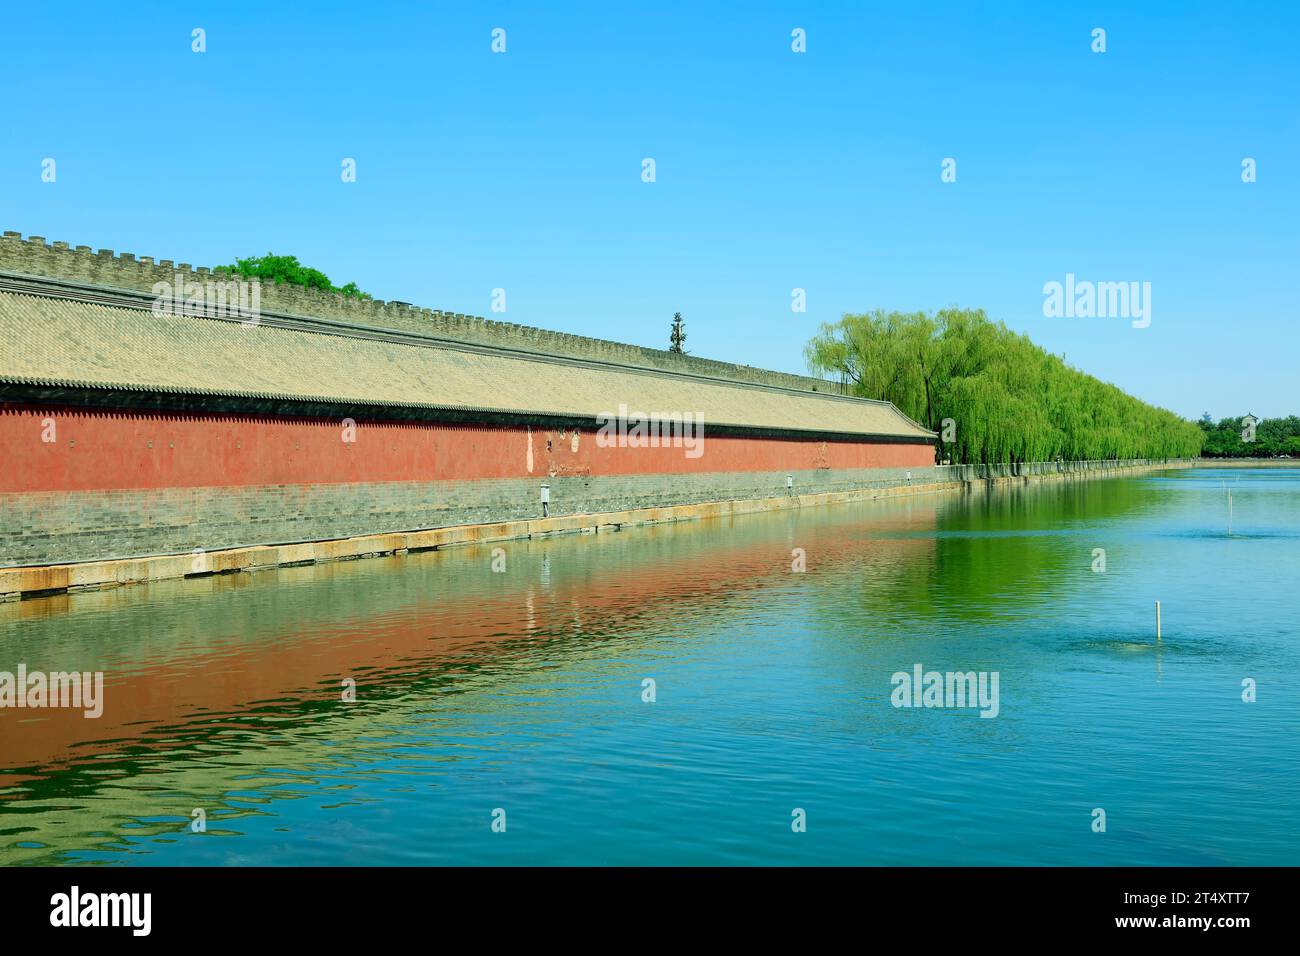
column 522, row 690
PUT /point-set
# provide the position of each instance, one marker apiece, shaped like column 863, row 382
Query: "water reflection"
column 225, row 692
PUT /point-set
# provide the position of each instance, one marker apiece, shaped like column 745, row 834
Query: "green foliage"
column 273, row 268
column 1273, row 436
column 677, row 337
column 1010, row 400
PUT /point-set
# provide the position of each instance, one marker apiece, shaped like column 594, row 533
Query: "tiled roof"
column 106, row 269
column 70, row 342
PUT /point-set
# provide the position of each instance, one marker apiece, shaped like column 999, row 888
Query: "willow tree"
column 1011, row 401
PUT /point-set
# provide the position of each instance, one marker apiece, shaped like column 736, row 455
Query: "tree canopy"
column 273, row 268
column 993, row 395
column 1273, row 436
column 677, row 336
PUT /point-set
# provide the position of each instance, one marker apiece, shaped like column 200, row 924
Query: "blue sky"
column 775, row 170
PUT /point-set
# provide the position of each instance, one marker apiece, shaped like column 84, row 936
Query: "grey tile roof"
column 68, row 342
column 107, row 269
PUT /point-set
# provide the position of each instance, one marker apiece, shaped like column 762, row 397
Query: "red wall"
column 111, row 449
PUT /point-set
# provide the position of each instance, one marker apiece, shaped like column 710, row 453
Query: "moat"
column 510, row 687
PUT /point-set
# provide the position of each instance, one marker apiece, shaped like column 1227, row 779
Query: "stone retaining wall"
column 577, row 506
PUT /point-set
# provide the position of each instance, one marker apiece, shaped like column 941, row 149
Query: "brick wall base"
column 17, row 582
column 63, row 526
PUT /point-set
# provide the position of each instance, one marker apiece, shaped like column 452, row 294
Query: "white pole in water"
column 1229, row 514
column 1157, row 621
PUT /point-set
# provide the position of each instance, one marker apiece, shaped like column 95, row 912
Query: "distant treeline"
column 1272, row 436
column 993, row 395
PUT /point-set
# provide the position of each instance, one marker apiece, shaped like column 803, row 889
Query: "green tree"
column 287, row 269
column 1273, row 436
column 1010, row 400
column 677, row 337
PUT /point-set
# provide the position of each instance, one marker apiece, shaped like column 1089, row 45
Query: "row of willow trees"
column 1008, row 400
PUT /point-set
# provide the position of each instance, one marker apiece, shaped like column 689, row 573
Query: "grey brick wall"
column 63, row 527
column 58, row 527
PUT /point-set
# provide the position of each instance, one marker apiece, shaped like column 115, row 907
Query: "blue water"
column 522, row 691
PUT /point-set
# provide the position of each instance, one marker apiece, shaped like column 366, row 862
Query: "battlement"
column 125, row 270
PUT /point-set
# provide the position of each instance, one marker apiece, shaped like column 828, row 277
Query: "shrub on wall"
column 287, row 269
